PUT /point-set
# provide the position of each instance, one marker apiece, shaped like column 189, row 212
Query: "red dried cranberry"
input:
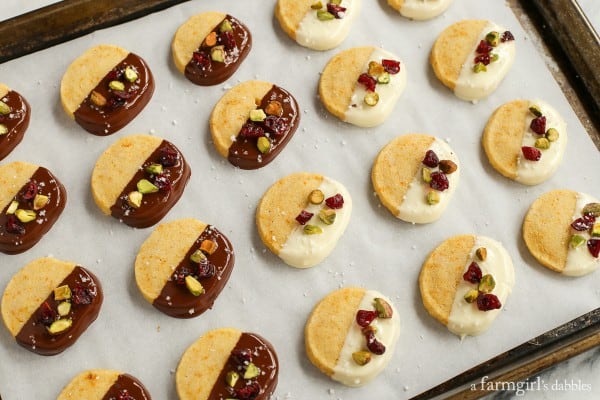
column 337, row 10
column 47, row 315
column 115, row 74
column 374, row 345
column 241, row 357
column 391, row 66
column 483, row 47
column 180, row 274
column 205, row 270
column 29, row 191
column 431, row 159
column 251, row 130
column 248, row 392
column 201, row 59
column 277, row 125
column 162, row 182
column 304, row 217
column 368, row 81
column 507, row 36
column 168, row 157
column 538, row 125
column 439, row 181
column 473, row 273
column 13, row 225
column 123, row 95
column 584, row 223
column 531, row 153
column 488, row 301
column 593, row 246
column 227, row 39
column 81, row 295
column 335, row 202
column 485, row 59
column 365, row 317
column 114, row 102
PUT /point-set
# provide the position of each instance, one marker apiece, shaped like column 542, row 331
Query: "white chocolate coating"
column 423, row 9
column 579, row 260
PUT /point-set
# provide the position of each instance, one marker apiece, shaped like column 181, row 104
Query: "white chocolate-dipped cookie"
column 361, row 85
column 302, row 216
column 561, row 232
column 318, row 25
column 351, row 335
column 420, row 10
column 415, row 176
column 465, row 281
column 15, row 113
column 525, row 140
column 472, row 57
column 99, row 384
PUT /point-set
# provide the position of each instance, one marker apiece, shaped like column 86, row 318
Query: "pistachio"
column 316, row 197
column 274, row 108
column 197, row 256
column 62, row 293
column 493, row 38
column 448, row 166
column 576, row 241
column 134, row 199
column 252, row 371
column 596, row 229
column 479, row 67
column 426, row 175
column 25, row 215
column 487, row 283
column 336, row 2
column 312, row 229
column 495, row 57
column 384, row 78
column 59, row 326
column 591, row 208
column 154, row 169
column 263, row 144
column 3, row 129
column 542, row 143
column 257, row 115
column 211, row 39
column 12, row 207
column 231, row 378
column 535, row 110
column 324, row 15
column 208, row 246
column 316, row 6
column 371, row 99
column 361, row 357
column 327, row 216
column 552, row 134
column 225, row 26
column 217, row 53
column 432, row 197
column 481, row 253
column 97, row 99
column 375, row 69
column 471, row 295
column 63, row 308
column 383, row 308
column 4, row 108
column 144, row 186
column 193, row 285
column 116, row 85
column 131, row 74
column 40, row 201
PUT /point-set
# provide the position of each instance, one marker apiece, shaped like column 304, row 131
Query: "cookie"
column 105, row 88
column 317, row 25
column 99, row 384
column 251, row 124
column 183, row 266
column 525, row 140
column 301, row 217
column 14, row 119
column 361, row 85
column 234, row 365
column 138, row 179
column 49, row 304
column 209, row 47
column 415, row 176
column 561, row 232
column 418, row 9
column 31, row 200
column 465, row 281
column 471, row 57
column 351, row 335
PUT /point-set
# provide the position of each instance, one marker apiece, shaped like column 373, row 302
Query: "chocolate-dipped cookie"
column 183, row 266
column 253, row 122
column 104, row 384
column 31, row 200
column 209, row 47
column 105, row 88
column 226, row 363
column 138, row 179
column 49, row 304
column 14, row 119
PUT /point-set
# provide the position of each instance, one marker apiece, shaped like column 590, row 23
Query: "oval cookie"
column 418, row 9
column 14, row 119
column 525, row 140
column 209, row 47
column 361, row 85
column 465, row 281
column 49, row 304
column 471, row 57
column 302, row 216
column 183, row 266
column 138, row 179
column 253, row 122
column 415, row 176
column 235, row 365
column 31, row 200
column 351, row 335
column 561, row 232
column 317, row 25
column 105, row 88
column 100, row 384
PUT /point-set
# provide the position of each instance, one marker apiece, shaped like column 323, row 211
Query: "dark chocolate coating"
column 16, row 121
column 129, row 384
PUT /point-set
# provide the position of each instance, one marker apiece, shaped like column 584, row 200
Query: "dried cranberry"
column 168, row 157
column 473, row 273
column 241, row 357
column 483, row 47
column 391, row 66
column 227, row 39
column 538, row 125
column 180, row 274
column 374, row 345
column 201, row 59
column 531, row 153
column 277, row 125
column 162, row 182
column 584, row 223
column 593, row 246
column 205, row 269
column 485, row 59
column 365, row 317
column 13, row 225
column 488, row 301
column 251, row 130
column 304, row 217
column 81, row 295
column 368, row 81
column 337, row 10
column 507, row 36
column 29, row 191
column 47, row 314
column 115, row 102
column 115, row 74
column 439, row 181
column 248, row 392
column 431, row 159
column 335, row 202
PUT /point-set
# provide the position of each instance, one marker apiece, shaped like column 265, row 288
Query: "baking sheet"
column 264, row 295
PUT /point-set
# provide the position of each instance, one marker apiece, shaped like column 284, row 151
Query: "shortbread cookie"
column 209, row 47
column 351, row 335
column 105, row 88
column 100, row 384
column 138, row 179
column 471, row 57
column 420, row 9
column 253, row 122
column 14, row 119
column 183, row 266
column 361, row 85
column 228, row 364
column 302, row 216
column 561, row 232
column 318, row 25
column 415, row 176
column 49, row 303
column 525, row 140
column 465, row 281
column 31, row 200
